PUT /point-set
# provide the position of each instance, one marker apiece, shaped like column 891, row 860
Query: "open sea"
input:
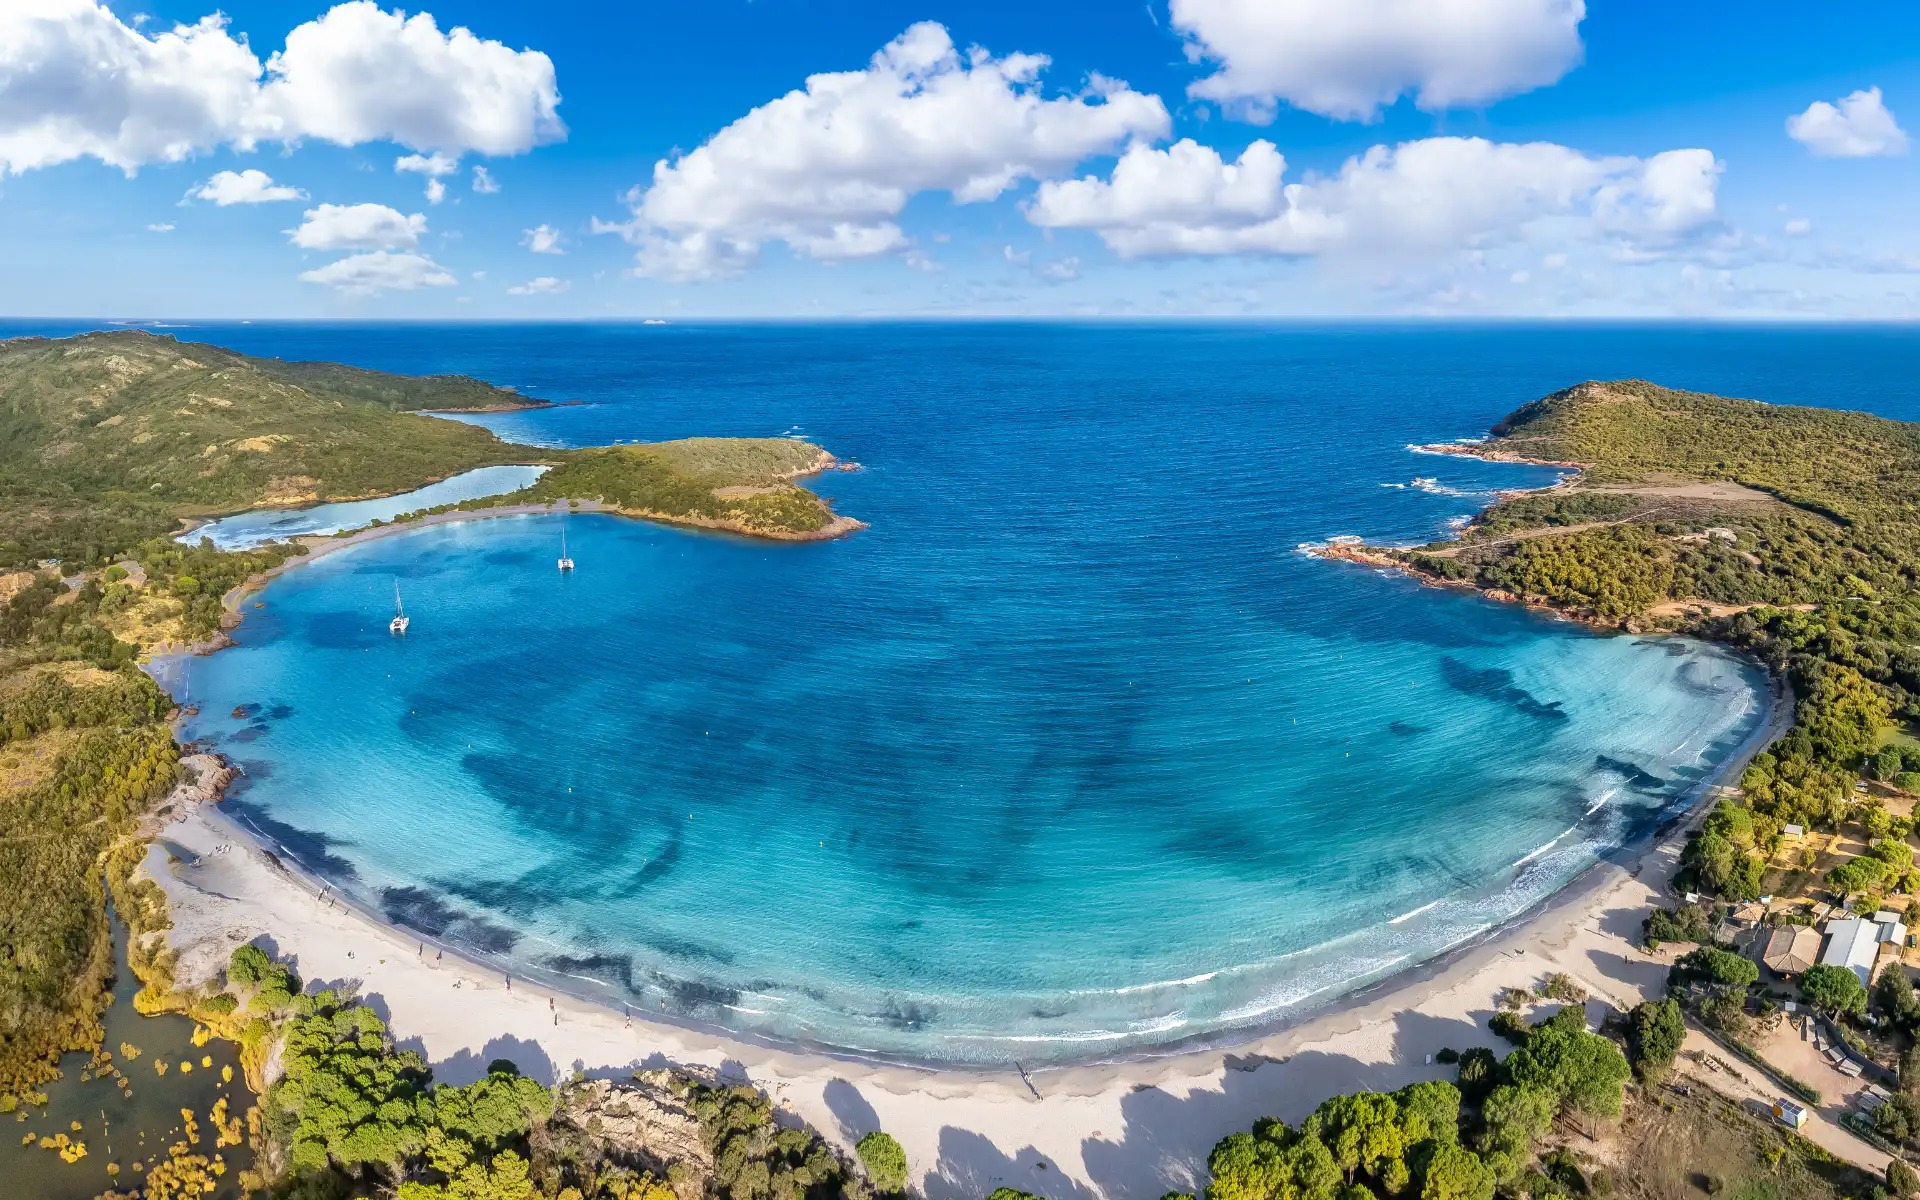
column 1073, row 755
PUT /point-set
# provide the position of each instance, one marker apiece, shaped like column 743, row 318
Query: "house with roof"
column 1791, row 949
column 1855, row 942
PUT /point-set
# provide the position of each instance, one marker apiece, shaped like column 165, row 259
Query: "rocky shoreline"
column 1492, row 453
column 833, row 530
column 1394, row 559
column 1374, row 556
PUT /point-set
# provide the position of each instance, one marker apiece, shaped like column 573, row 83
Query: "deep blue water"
column 1069, row 755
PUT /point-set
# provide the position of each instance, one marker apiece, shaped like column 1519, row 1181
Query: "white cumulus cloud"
column 162, row 228
column 1437, row 195
column 546, row 285
column 543, row 239
column 826, row 169
column 380, row 271
column 359, row 74
column 1349, row 58
column 358, row 227
column 1858, row 127
column 431, row 165
column 434, row 166
column 244, row 187
column 484, row 182
column 77, row 82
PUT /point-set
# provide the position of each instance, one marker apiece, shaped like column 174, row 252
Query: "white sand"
column 1124, row 1130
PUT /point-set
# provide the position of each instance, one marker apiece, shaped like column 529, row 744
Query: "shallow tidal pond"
column 121, row 1126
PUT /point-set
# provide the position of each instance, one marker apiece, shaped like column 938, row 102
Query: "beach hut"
column 1789, row 1114
column 1791, row 949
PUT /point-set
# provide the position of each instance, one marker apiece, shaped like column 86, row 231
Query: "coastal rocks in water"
column 199, row 649
column 207, row 777
column 647, row 1125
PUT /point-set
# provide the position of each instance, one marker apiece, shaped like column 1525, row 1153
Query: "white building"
column 1855, row 942
column 1789, row 1114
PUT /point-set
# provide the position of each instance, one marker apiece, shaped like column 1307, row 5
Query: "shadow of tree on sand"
column 850, row 1110
column 1167, row 1137
column 970, row 1167
column 468, row 1065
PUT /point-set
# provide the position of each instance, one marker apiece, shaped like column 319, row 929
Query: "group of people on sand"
column 328, row 901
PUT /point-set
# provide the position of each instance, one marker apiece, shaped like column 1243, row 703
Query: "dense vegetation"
column 1435, row 1140
column 85, row 752
column 107, row 439
column 352, row 1115
column 105, row 442
column 1808, row 505
column 740, row 483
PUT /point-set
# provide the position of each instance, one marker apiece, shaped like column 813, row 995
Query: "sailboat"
column 566, row 561
column 400, row 620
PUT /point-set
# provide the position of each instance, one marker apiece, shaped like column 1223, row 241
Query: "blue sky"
column 1173, row 158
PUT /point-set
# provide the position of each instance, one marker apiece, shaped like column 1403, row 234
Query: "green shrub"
column 1658, row 1030
column 885, row 1161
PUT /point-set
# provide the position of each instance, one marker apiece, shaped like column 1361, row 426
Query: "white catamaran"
column 400, row 620
column 566, row 561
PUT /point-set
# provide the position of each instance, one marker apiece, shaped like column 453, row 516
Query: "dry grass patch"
column 1674, row 1147
column 26, row 763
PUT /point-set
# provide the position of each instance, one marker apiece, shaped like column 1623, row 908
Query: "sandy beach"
column 1125, row 1130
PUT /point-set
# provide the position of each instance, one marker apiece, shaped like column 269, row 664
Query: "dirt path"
column 1539, row 532
column 1742, row 1083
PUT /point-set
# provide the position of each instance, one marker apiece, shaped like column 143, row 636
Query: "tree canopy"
column 1835, row 989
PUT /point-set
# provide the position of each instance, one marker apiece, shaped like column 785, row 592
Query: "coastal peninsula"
column 1683, row 508
column 1790, row 533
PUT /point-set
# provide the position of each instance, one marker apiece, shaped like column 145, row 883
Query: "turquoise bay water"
column 245, row 530
column 1072, row 755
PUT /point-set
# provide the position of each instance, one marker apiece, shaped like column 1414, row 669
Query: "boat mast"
column 399, row 623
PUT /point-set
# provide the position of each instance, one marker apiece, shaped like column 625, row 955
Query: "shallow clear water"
column 243, row 531
column 1072, row 754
